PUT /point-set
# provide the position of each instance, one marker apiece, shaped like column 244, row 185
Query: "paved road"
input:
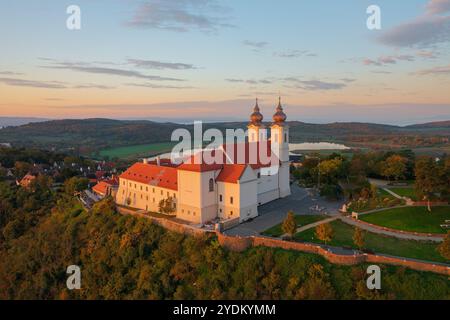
column 273, row 213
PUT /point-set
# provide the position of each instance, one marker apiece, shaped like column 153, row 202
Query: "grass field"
column 416, row 219
column 343, row 234
column 404, row 192
column 384, row 194
column 276, row 231
column 137, row 150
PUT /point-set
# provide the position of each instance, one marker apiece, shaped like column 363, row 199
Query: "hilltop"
column 91, row 135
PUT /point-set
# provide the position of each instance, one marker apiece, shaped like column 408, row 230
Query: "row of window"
column 221, row 199
column 188, row 212
column 146, row 189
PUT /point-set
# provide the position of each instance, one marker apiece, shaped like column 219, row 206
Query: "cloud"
column 180, row 15
column 49, row 84
column 438, row 6
column 427, row 54
column 92, row 86
column 441, row 70
column 158, row 65
column 32, row 83
column 89, row 68
column 249, row 81
column 255, row 44
column 157, row 86
column 428, row 29
column 295, row 54
column 316, row 85
column 10, row 73
column 385, row 60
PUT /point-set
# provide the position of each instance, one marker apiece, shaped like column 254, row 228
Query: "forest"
column 123, row 257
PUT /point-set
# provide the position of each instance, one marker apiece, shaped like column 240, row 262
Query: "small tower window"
column 285, row 137
column 231, row 200
column 211, row 185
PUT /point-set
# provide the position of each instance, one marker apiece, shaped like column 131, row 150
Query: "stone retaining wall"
column 240, row 244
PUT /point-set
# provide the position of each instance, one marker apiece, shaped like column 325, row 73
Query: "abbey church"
column 201, row 192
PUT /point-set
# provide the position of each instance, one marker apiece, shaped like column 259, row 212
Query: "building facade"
column 224, row 190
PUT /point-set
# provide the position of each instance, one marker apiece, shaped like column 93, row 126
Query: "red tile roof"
column 165, row 175
column 197, row 163
column 26, row 181
column 102, row 186
column 251, row 154
column 228, row 154
column 161, row 176
column 231, row 173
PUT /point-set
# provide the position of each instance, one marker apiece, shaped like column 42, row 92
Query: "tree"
column 444, row 247
column 167, row 206
column 430, row 179
column 331, row 169
column 22, row 168
column 394, row 167
column 289, row 225
column 358, row 238
column 324, row 232
column 75, row 184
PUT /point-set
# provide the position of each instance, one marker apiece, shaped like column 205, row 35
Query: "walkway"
column 300, row 201
column 396, row 234
column 313, row 225
column 393, row 193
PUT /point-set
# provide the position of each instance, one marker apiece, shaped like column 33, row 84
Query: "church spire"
column 256, row 117
column 279, row 117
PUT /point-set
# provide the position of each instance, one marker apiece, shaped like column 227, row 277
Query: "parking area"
column 301, row 202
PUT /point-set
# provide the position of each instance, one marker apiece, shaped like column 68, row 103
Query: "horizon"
column 191, row 121
column 141, row 60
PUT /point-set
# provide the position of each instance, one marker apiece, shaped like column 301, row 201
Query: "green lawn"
column 404, row 192
column 137, row 150
column 416, row 219
column 384, row 194
column 303, row 220
column 343, row 234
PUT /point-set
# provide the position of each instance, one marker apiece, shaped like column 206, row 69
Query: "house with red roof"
column 241, row 177
column 106, row 188
column 26, row 181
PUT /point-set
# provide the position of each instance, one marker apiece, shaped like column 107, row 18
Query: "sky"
column 208, row 60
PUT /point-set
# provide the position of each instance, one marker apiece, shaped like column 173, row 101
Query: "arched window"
column 211, row 185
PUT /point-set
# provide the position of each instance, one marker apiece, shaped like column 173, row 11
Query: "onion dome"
column 256, row 117
column 279, row 116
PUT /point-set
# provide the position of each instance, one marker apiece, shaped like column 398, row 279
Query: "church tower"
column 279, row 137
column 256, row 129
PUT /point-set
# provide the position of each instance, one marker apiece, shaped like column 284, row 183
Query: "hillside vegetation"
column 92, row 135
column 123, row 257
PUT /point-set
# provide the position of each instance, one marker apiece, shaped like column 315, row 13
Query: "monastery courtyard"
column 301, row 202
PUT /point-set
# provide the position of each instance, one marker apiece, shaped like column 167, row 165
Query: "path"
column 379, row 230
column 300, row 201
column 313, row 225
column 393, row 193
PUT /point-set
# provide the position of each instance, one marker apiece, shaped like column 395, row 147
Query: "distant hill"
column 18, row 121
column 90, row 135
column 438, row 124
